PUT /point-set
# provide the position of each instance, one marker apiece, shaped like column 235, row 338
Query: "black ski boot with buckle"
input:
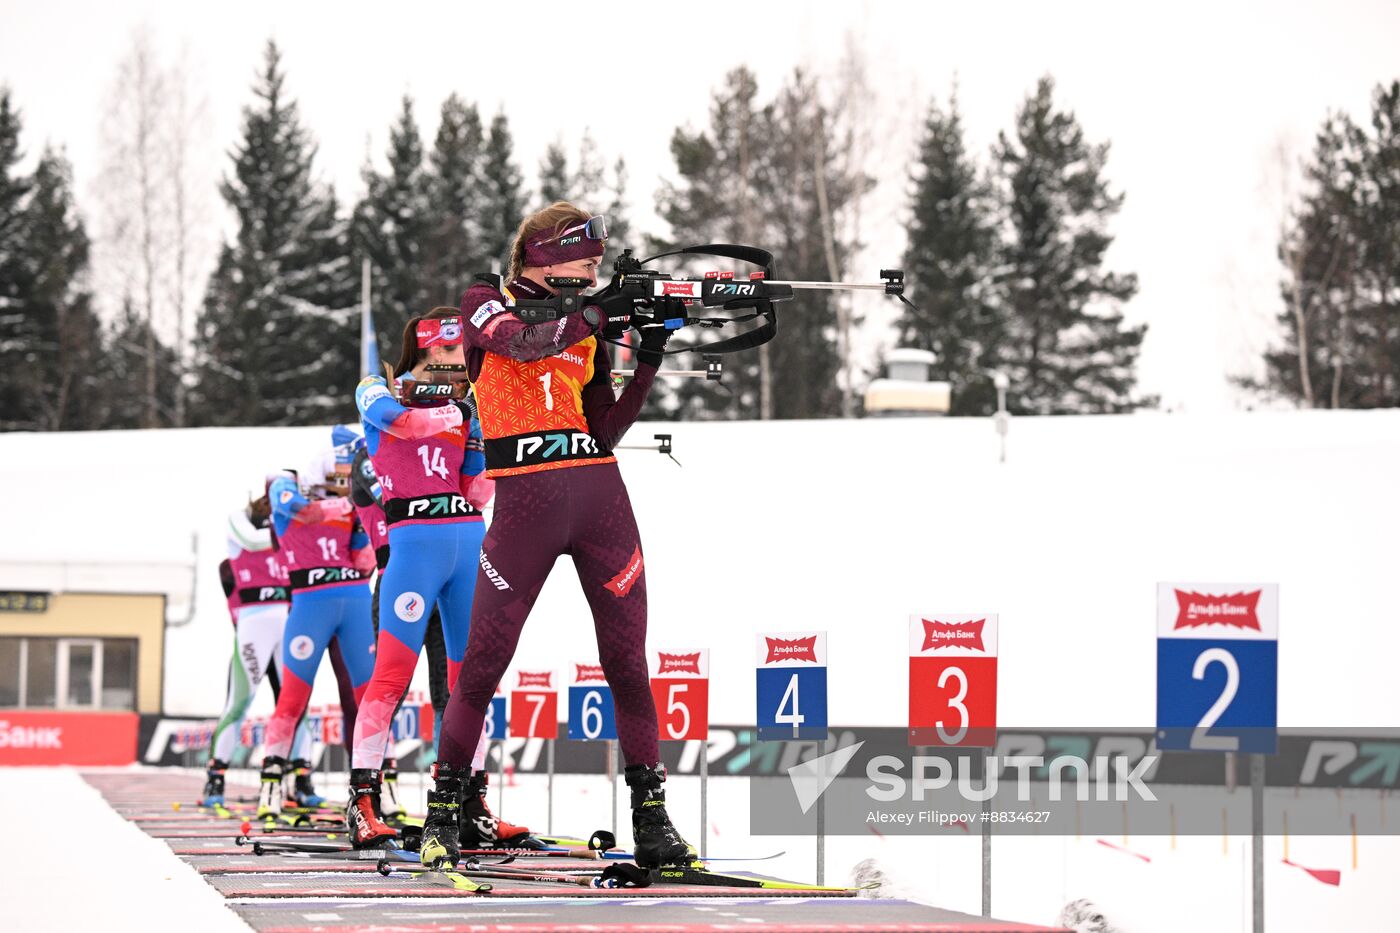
column 657, row 843
column 440, row 848
column 214, row 784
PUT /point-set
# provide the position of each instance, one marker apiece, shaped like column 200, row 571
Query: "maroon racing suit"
column 575, row 504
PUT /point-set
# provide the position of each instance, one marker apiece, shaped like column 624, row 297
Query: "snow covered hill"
column 851, row 526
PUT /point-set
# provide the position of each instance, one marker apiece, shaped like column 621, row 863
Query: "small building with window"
column 82, row 655
column 907, row 388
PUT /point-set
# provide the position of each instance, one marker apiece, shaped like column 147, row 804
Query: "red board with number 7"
column 680, row 687
column 534, row 706
column 953, row 680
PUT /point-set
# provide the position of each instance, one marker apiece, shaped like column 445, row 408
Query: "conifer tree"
column 554, row 176
column 390, row 226
column 805, row 357
column 614, row 199
column 454, row 249
column 502, row 198
column 948, row 263
column 752, row 178
column 18, row 338
column 1067, row 349
column 278, row 329
column 1340, row 251
column 722, row 172
column 123, row 399
column 59, row 306
column 1320, row 250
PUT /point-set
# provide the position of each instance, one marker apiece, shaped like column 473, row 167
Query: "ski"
column 330, row 851
column 677, row 874
column 474, row 869
column 445, row 878
column 333, row 848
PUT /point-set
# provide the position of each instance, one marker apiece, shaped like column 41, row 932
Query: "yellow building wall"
column 97, row 615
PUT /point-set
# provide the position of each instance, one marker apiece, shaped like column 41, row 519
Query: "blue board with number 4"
column 591, row 715
column 791, row 703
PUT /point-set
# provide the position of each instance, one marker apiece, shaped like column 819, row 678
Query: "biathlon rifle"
column 439, row 382
column 661, row 299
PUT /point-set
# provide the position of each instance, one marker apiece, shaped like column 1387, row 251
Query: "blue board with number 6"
column 591, row 714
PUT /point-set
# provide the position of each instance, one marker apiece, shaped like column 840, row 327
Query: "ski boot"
column 441, row 846
column 482, row 829
column 394, row 813
column 270, row 796
column 362, row 819
column 302, row 792
column 657, row 841
column 214, row 784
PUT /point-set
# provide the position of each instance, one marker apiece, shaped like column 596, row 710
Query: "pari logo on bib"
column 409, row 606
column 302, row 646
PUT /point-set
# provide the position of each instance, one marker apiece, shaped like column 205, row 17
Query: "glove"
column 478, row 490
column 364, row 561
column 654, row 341
column 610, row 312
column 325, row 510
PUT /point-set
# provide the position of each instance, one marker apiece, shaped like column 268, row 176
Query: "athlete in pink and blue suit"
column 330, row 562
column 428, row 460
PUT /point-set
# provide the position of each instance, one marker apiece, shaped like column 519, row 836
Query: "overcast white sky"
column 1195, row 98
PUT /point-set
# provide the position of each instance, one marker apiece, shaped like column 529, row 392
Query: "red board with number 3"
column 953, row 680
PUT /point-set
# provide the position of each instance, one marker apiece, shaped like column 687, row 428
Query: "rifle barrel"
column 832, row 286
column 693, row 373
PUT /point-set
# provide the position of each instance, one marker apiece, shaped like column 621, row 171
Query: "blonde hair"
column 553, row 219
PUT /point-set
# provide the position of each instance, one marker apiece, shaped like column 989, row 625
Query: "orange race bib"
column 532, row 413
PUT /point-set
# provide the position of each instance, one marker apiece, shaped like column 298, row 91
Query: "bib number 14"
column 436, row 464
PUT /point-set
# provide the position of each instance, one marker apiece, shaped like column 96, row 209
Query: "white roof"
column 173, row 579
column 911, row 355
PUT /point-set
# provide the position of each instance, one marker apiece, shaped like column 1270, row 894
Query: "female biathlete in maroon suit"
column 550, row 419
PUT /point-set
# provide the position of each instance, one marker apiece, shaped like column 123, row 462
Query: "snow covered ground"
column 851, row 526
column 73, row 864
column 131, row 881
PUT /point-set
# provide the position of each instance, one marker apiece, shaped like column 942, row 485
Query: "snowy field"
column 851, row 526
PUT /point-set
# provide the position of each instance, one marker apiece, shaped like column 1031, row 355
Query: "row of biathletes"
column 476, row 408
